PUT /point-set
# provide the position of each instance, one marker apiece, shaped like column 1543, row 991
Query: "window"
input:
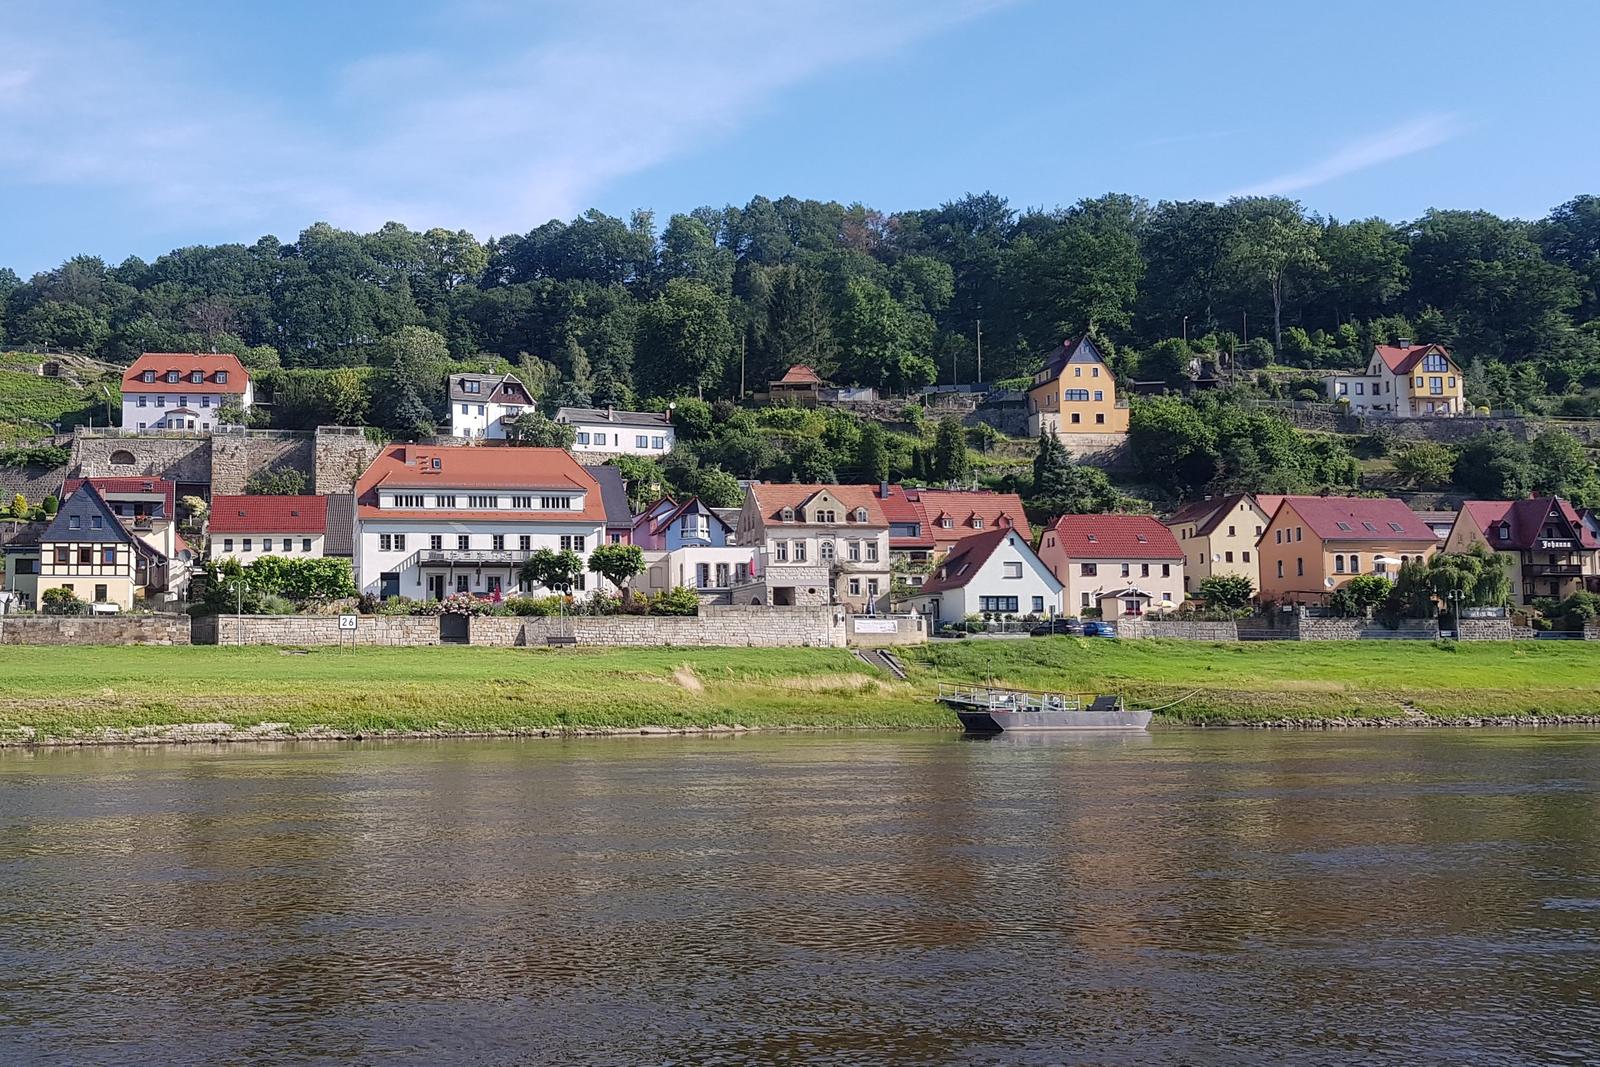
column 1012, row 569
column 872, row 551
column 1099, row 394
column 435, row 542
column 205, row 401
column 1076, row 417
column 1355, row 563
column 470, row 386
column 1246, row 556
column 658, row 443
column 1434, row 361
column 1166, row 570
column 463, row 583
column 1300, row 566
column 522, row 502
column 63, row 556
column 227, row 544
column 222, row 377
column 444, row 501
column 572, row 542
column 1127, row 569
column 1338, row 564
column 1227, row 557
column 1095, row 373
column 1100, row 418
column 1361, row 389
column 853, row 551
column 1397, row 528
column 1038, row 605
column 1075, row 394
column 780, row 550
column 555, row 503
column 855, row 587
column 1280, row 568
column 497, row 542
column 385, row 543
column 463, row 542
column 161, row 400
column 825, row 551
column 466, row 409
column 1452, row 381
column 524, row 542
column 1299, row 532
column 172, row 376
column 1231, row 531
column 1089, row 570
column 1088, row 602
column 1344, row 526
column 1505, row 532
column 74, row 522
column 249, row 544
column 483, row 501
column 787, row 515
column 1436, row 386
column 410, row 500
column 1077, row 372
column 642, row 441
column 480, row 409
column 1144, row 570
column 144, row 401
column 1417, row 382
column 998, row 603
column 799, row 551
column 108, row 556
column 1278, row 536
column 148, row 376
column 861, row 515
column 583, row 437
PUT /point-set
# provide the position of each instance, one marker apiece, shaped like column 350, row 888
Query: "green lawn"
column 27, row 400
column 78, row 690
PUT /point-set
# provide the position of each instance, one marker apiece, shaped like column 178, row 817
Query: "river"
column 1178, row 897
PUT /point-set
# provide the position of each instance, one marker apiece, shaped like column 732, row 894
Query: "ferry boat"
column 986, row 710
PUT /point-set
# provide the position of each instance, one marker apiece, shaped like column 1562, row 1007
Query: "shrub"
column 680, row 601
column 62, row 602
column 530, row 605
column 280, row 481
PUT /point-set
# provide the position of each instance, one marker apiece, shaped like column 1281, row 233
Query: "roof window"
column 1344, row 526
column 1397, row 528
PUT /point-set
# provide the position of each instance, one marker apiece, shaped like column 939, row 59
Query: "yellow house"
column 1218, row 536
column 1402, row 381
column 1543, row 542
column 88, row 551
column 1075, row 393
column 1314, row 544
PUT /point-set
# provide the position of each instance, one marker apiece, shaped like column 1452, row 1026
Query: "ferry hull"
column 998, row 721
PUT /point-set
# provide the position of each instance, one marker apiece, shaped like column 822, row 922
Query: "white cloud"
column 1406, row 139
column 500, row 120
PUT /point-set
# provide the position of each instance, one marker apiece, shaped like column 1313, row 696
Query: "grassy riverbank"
column 80, row 692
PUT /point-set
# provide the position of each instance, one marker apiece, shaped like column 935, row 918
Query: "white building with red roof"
column 182, row 390
column 991, row 573
column 245, row 528
column 435, row 521
column 1096, row 554
column 1401, row 381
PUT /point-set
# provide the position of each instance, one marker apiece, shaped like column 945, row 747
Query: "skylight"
column 1369, row 526
column 1396, row 527
column 1344, row 526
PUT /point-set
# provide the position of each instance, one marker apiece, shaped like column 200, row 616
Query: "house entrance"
column 435, row 587
column 783, row 597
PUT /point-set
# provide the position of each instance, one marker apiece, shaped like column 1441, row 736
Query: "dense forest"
column 611, row 310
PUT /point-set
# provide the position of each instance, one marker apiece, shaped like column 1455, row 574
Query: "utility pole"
column 980, row 350
column 1186, row 329
column 1246, row 327
column 744, row 340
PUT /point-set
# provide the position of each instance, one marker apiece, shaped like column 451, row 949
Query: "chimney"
column 883, row 490
column 611, row 414
column 1403, row 342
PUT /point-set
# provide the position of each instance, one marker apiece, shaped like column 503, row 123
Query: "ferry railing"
column 1008, row 699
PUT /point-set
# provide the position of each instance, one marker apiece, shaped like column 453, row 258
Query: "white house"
column 482, row 404
column 631, row 433
column 245, row 528
column 1402, row 380
column 817, row 544
column 182, row 390
column 992, row 572
column 433, row 521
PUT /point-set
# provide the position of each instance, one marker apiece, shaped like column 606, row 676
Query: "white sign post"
column 347, row 624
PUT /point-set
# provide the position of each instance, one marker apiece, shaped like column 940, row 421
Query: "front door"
column 435, row 587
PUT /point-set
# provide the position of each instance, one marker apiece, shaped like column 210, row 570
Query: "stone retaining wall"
column 872, row 631
column 1181, row 630
column 317, row 630
column 93, row 630
column 1312, row 629
column 1484, row 629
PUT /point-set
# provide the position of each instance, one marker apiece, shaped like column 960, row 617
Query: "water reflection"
column 1174, row 897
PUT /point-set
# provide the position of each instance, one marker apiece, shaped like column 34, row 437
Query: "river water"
column 1179, row 897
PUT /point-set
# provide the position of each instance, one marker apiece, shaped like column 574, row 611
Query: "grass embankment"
column 79, row 692
column 29, row 403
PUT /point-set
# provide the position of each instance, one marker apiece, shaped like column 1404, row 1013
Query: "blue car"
column 1099, row 629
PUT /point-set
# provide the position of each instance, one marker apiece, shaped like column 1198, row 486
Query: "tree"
column 877, row 341
column 403, row 412
column 1494, row 466
column 692, row 418
column 1231, row 592
column 716, row 488
column 553, row 570
column 618, row 564
column 19, row 507
column 1425, row 464
column 643, row 478
column 872, row 457
column 1361, row 594
column 685, row 338
column 276, row 481
column 1271, row 248
column 1062, row 487
column 1166, row 361
column 1559, row 465
column 951, row 461
column 538, row 431
column 301, row 579
column 1478, row 577
column 51, row 505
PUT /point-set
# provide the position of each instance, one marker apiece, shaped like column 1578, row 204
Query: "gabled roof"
column 185, row 363
column 965, row 507
column 1207, row 515
column 85, row 506
column 772, row 498
column 656, row 419
column 1526, row 519
column 492, row 388
column 613, row 494
column 269, row 514
column 110, row 487
column 1354, row 518
column 800, row 374
column 1115, row 537
column 969, row 555
column 340, row 539
column 435, row 468
column 673, row 514
column 1400, row 359
column 1081, row 350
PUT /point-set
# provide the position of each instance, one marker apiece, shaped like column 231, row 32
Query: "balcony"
column 472, row 557
column 1552, row 570
column 854, row 566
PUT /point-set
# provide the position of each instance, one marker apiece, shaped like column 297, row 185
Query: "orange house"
column 1314, row 544
column 1075, row 393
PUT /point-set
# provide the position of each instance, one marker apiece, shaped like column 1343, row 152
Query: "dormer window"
column 222, row 377
column 148, row 376
column 197, row 376
column 946, row 523
column 861, row 514
column 977, row 522
column 1505, row 532
column 787, row 515
column 172, row 376
column 470, row 386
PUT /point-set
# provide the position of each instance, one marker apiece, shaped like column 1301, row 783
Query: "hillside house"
column 1548, row 549
column 1402, row 380
column 483, row 406
column 1075, row 393
column 627, row 433
column 182, row 390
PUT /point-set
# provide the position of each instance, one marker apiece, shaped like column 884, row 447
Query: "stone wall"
column 94, row 630
column 1178, row 629
column 341, row 454
column 1315, row 629
column 812, row 585
column 317, row 630
column 237, row 456
column 733, row 626
column 1484, row 629
column 872, row 631
column 174, row 456
column 1108, row 451
column 1591, row 631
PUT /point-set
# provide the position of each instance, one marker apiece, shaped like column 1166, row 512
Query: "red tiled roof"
column 965, row 560
column 995, row 509
column 269, row 514
column 1367, row 518
column 800, row 374
column 185, row 363
column 442, row 469
column 900, row 507
column 1400, row 360
column 121, row 486
column 772, row 498
column 1526, row 517
column 1115, row 537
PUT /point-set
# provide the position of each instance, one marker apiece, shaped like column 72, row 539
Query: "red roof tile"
column 1353, row 518
column 772, row 498
column 1526, row 518
column 963, row 507
column 1115, row 537
column 800, row 374
column 1400, row 360
column 443, row 468
column 269, row 514
column 185, row 363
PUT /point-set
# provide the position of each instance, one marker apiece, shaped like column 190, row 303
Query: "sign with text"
column 874, row 626
column 347, row 622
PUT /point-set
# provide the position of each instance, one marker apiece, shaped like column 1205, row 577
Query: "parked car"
column 1060, row 626
column 951, row 631
column 1099, row 629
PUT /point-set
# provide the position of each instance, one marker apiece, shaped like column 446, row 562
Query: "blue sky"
column 134, row 128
